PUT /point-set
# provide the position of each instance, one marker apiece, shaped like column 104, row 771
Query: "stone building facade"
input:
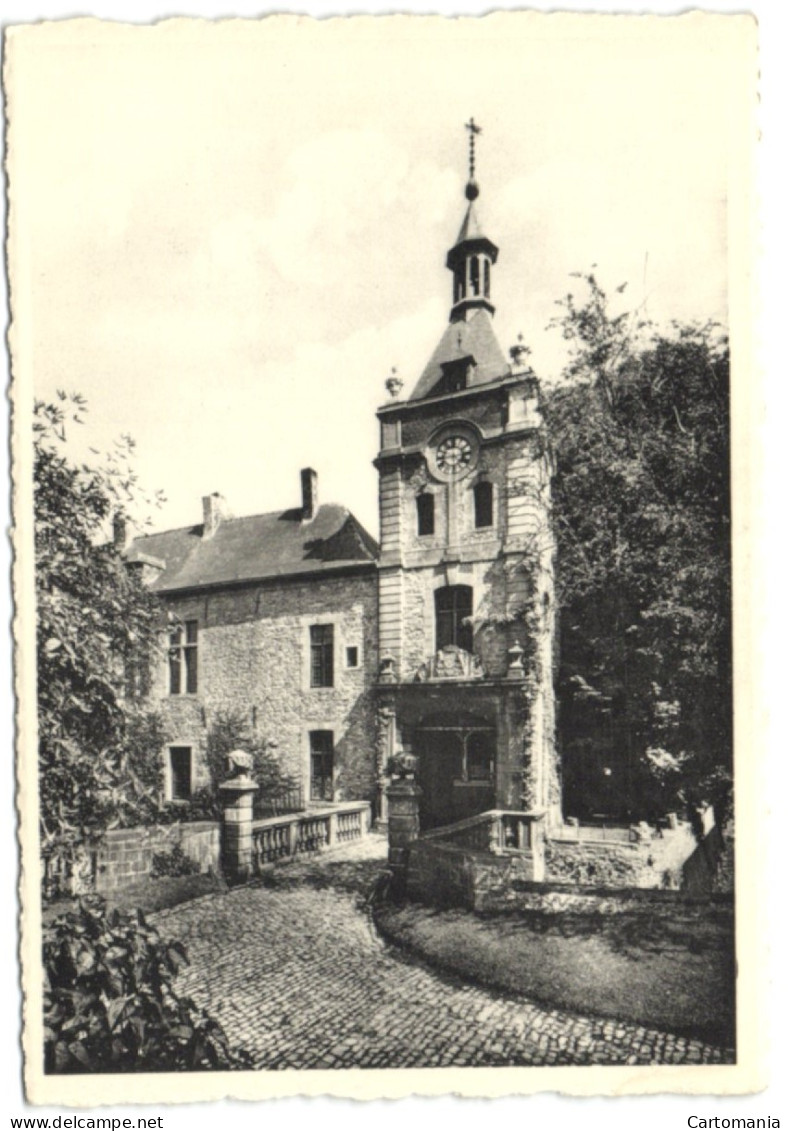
column 466, row 597
column 275, row 624
column 438, row 642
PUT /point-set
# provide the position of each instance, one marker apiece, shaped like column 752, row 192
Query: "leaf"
column 80, row 1054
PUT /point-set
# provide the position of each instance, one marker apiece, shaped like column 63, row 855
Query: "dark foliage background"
column 640, row 431
column 96, row 628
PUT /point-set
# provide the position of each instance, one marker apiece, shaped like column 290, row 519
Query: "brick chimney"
column 215, row 509
column 310, row 493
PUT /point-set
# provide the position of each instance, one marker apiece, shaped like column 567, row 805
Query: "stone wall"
column 125, row 856
column 658, row 862
column 254, row 659
column 444, row 875
column 598, row 865
column 486, row 411
column 566, row 876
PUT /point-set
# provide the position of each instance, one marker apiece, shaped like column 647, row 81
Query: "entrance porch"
column 467, row 737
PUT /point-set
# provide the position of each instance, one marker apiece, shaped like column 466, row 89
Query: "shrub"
column 110, row 1003
column 230, row 731
column 173, row 863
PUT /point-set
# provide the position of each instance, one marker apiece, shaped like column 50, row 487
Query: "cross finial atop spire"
column 471, row 191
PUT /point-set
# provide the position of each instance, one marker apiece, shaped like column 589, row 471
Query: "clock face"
column 454, row 455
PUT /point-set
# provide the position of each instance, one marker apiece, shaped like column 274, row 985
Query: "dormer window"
column 425, row 514
column 457, row 374
column 484, row 509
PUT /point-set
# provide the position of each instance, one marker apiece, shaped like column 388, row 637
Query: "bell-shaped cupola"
column 473, row 255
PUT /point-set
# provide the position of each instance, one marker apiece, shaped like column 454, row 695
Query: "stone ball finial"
column 240, row 763
column 516, row 668
column 472, row 192
column 520, row 353
column 394, row 384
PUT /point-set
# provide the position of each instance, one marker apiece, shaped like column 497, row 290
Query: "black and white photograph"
column 381, row 437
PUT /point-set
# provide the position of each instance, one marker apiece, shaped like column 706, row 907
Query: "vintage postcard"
column 382, row 468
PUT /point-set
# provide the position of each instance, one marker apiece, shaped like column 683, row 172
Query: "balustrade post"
column 237, row 795
column 523, row 833
column 293, row 836
column 332, row 830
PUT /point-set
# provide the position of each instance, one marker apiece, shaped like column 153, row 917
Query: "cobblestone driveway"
column 295, row 972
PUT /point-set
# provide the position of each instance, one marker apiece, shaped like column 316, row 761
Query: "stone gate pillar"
column 404, row 819
column 385, row 748
column 237, row 795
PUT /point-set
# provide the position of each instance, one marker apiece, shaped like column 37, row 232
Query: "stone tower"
column 466, row 600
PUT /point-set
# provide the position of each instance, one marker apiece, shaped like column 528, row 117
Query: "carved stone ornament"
column 450, row 662
column 240, row 763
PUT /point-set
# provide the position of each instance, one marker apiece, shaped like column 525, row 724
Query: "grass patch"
column 149, row 895
column 669, row 968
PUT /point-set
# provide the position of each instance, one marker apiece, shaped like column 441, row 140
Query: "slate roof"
column 460, row 339
column 258, row 547
column 470, row 227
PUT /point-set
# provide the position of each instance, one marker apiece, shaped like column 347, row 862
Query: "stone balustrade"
column 296, row 834
column 496, row 830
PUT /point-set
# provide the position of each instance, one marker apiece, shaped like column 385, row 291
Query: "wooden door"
column 440, row 764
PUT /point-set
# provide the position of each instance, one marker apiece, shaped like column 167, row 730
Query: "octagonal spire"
column 473, row 255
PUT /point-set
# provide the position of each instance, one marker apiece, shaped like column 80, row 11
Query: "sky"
column 231, row 239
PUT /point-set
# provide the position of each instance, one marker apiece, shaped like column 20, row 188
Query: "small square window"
column 353, row 657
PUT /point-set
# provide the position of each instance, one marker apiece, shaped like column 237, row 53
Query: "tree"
column 95, row 624
column 640, row 432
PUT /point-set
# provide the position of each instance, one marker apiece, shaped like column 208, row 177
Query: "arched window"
column 484, row 510
column 475, row 276
column 425, row 513
column 486, row 278
column 453, row 609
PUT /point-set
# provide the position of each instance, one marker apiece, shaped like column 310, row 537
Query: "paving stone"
column 295, row 972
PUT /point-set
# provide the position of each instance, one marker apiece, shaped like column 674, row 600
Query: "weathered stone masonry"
column 254, row 659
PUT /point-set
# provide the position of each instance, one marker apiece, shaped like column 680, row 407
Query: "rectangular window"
column 479, row 756
column 183, row 659
column 321, row 655
column 352, row 657
column 484, row 511
column 180, row 773
column 425, row 514
column 322, row 745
